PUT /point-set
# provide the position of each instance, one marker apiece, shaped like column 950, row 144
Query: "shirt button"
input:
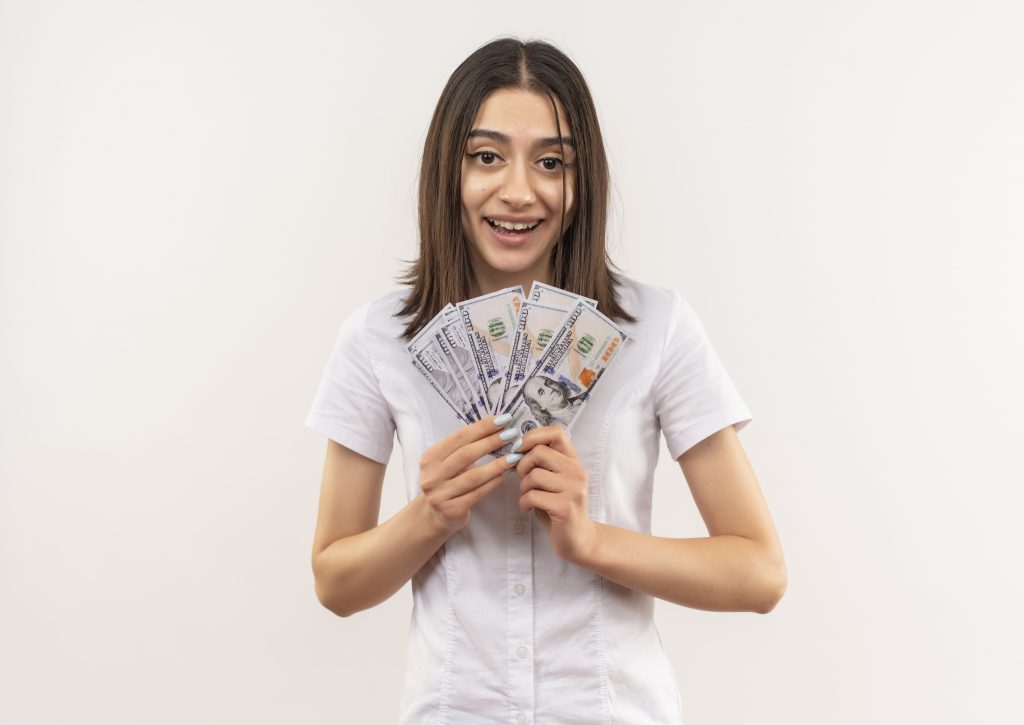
column 519, row 527
column 520, row 717
column 522, row 651
column 519, row 589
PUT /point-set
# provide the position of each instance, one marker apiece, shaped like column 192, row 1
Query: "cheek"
column 554, row 197
column 570, row 195
column 473, row 196
column 466, row 189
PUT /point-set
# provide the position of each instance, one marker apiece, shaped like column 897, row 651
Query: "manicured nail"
column 502, row 419
column 513, row 458
column 508, row 434
column 515, row 446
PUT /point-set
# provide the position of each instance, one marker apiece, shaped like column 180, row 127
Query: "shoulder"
column 655, row 307
column 372, row 324
column 379, row 313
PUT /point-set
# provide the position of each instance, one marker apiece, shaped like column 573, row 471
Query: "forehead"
column 522, row 115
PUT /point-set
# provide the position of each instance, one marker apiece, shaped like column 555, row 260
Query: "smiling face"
column 512, row 176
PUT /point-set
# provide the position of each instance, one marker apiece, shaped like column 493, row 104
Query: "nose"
column 516, row 188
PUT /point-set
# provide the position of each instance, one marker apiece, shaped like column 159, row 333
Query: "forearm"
column 723, row 573
column 361, row 571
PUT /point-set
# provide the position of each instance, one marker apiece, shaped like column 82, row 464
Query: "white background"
column 193, row 195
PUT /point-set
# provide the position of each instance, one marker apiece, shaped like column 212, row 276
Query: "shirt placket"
column 519, row 533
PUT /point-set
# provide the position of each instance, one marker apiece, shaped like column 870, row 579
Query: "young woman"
column 533, row 574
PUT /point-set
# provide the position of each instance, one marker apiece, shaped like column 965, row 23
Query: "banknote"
column 490, row 322
column 444, row 396
column 567, row 373
column 550, row 295
column 537, row 358
column 430, row 329
column 454, row 344
column 537, row 325
column 430, row 361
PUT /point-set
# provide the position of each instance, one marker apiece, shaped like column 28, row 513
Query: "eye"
column 485, row 157
column 551, row 163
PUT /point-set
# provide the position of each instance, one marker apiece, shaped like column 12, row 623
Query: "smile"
column 513, row 226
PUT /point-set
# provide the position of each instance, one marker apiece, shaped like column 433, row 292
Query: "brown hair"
column 580, row 261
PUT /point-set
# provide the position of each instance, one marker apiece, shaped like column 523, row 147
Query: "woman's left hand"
column 554, row 485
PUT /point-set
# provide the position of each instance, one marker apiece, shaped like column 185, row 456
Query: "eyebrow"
column 539, row 143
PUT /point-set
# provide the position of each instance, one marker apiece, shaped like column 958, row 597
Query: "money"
column 460, row 414
column 549, row 295
column 538, row 358
column 455, row 345
column 429, row 359
column 537, row 325
column 490, row 322
column 568, row 371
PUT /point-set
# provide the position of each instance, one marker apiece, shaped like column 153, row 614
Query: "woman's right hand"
column 451, row 484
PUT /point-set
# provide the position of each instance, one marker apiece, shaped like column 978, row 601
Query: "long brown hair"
column 580, row 261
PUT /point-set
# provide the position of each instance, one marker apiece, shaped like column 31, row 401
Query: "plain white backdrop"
column 193, row 195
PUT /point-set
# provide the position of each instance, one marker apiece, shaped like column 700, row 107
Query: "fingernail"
column 513, row 458
column 503, row 419
column 515, row 446
column 508, row 434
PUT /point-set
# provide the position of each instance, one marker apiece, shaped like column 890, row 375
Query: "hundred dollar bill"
column 427, row 333
column 549, row 295
column 455, row 345
column 426, row 351
column 431, row 359
column 445, row 372
column 490, row 322
column 537, row 325
column 568, row 371
column 458, row 414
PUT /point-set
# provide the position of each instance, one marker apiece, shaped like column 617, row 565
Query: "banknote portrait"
column 550, row 400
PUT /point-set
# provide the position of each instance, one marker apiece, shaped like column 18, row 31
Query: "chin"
column 505, row 265
column 509, row 261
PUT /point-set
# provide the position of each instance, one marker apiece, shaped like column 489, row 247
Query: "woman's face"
column 545, row 392
column 512, row 173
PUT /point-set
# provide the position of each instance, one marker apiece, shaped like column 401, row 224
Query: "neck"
column 485, row 281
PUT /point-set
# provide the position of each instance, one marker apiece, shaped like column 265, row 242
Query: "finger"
column 467, row 434
column 476, row 476
column 480, row 491
column 537, row 499
column 541, row 480
column 544, row 457
column 554, row 436
column 471, row 452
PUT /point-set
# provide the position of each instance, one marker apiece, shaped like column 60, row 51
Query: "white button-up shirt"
column 502, row 630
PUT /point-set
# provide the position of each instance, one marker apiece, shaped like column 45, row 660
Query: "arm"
column 739, row 567
column 356, row 563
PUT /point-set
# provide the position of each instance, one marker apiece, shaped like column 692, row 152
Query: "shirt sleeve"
column 693, row 395
column 349, row 406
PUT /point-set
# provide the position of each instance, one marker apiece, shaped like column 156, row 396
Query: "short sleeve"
column 693, row 395
column 349, row 406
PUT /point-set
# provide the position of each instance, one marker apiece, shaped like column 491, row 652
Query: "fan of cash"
column 537, row 358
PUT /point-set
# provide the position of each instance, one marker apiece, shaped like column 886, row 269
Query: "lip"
column 513, row 219
column 506, row 241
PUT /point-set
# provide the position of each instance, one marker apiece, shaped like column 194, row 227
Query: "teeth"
column 513, row 226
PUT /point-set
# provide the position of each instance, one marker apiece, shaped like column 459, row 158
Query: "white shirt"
column 502, row 630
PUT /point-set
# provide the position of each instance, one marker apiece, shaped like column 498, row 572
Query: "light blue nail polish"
column 513, row 458
column 503, row 419
column 508, row 434
column 515, row 446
